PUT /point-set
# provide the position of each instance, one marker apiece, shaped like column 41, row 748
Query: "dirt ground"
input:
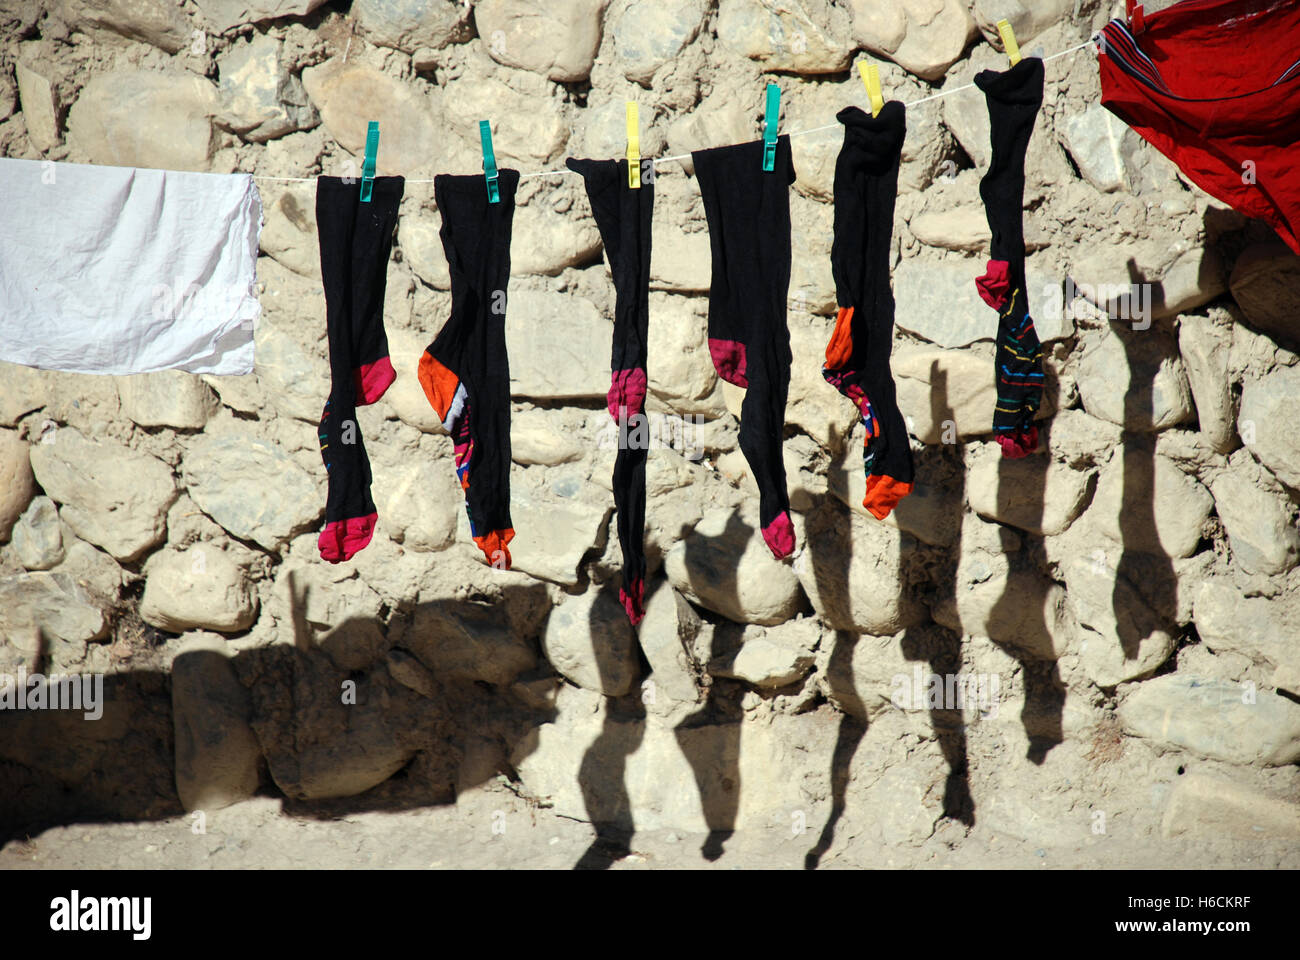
column 494, row 829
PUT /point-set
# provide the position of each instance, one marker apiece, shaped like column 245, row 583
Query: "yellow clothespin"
column 871, row 80
column 1009, row 41
column 633, row 147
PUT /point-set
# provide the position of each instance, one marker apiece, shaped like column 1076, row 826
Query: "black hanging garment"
column 1014, row 97
column 748, row 212
column 465, row 371
column 623, row 216
column 355, row 241
column 857, row 356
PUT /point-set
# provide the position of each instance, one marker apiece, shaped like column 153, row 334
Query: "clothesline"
column 686, row 156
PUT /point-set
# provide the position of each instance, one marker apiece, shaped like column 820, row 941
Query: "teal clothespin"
column 769, row 127
column 368, row 165
column 489, row 162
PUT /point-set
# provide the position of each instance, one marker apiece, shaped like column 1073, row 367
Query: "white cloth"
column 120, row 270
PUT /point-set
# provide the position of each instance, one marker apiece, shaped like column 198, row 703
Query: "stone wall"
column 1127, row 598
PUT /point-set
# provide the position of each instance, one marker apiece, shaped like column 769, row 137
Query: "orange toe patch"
column 493, row 544
column 439, row 384
column 840, row 349
column 883, row 495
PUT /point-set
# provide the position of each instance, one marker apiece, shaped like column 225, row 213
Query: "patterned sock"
column 857, row 357
column 465, row 372
column 355, row 241
column 748, row 211
column 1014, row 97
column 624, row 217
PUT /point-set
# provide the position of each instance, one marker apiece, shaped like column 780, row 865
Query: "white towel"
column 118, row 270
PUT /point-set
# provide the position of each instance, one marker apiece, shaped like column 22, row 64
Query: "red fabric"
column 1017, row 445
column 1218, row 61
column 626, row 393
column 344, row 539
column 634, row 602
column 779, row 536
column 729, row 360
column 995, row 284
column 372, row 379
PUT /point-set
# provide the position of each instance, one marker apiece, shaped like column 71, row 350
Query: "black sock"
column 624, row 216
column 355, row 241
column 748, row 211
column 857, row 357
column 465, row 371
column 1014, row 97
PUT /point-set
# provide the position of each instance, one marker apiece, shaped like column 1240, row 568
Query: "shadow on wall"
column 365, row 718
column 1027, row 598
column 1017, row 622
column 1142, row 564
column 940, row 647
column 937, row 646
column 422, row 726
column 362, row 722
column 709, row 738
column 926, row 642
column 602, row 773
column 852, row 728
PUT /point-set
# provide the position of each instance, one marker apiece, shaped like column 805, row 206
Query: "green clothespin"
column 368, row 165
column 489, row 162
column 769, row 127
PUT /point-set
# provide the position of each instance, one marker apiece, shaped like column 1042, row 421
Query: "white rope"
column 797, row 133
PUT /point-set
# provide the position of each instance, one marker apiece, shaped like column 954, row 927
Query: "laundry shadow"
column 829, row 571
column 848, row 736
column 1024, row 602
column 329, row 715
column 602, row 774
column 709, row 737
column 937, row 646
column 1144, row 597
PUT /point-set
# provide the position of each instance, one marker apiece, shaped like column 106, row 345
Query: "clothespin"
column 769, row 127
column 489, row 162
column 368, row 164
column 871, row 80
column 633, row 147
column 1136, row 19
column 1009, row 41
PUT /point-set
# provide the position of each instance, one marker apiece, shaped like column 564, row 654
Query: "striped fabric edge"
column 1117, row 42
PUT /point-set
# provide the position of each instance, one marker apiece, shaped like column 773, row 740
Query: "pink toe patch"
column 627, row 392
column 779, row 535
column 373, row 379
column 995, row 284
column 729, row 360
column 1019, row 444
column 634, row 601
column 344, row 539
